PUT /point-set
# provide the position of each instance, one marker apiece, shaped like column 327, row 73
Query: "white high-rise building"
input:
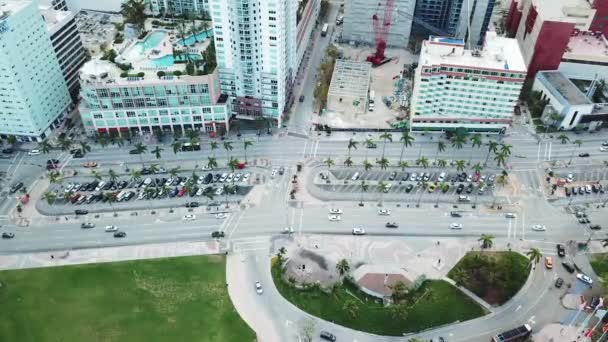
column 34, row 97
column 196, row 7
column 256, row 54
column 475, row 89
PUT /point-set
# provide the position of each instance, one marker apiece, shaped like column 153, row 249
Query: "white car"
column 584, row 278
column 413, row 176
column 603, row 149
column 221, row 215
column 34, row 153
column 190, row 217
column 288, row 230
column 200, row 191
column 539, row 228
column 111, row 229
column 334, row 217
column 570, row 178
column 219, row 191
column 388, row 187
column 258, row 287
column 141, row 195
column 384, row 212
column 463, row 198
column 206, row 167
column 358, row 231
column 246, row 177
column 274, row 173
column 510, row 215
column 455, row 225
column 69, row 187
column 335, row 211
column 230, row 178
column 237, row 177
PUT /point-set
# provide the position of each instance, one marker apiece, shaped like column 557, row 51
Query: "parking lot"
column 580, row 185
column 150, row 191
column 429, row 185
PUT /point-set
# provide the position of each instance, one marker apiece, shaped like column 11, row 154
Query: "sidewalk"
column 107, row 254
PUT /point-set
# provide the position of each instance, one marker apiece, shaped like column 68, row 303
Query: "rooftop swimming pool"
column 201, row 36
column 169, row 60
column 139, row 49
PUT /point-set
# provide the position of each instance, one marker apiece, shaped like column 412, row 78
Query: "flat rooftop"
column 564, row 87
column 563, row 10
column 53, row 20
column 350, row 78
column 12, row 6
column 498, row 53
column 587, row 46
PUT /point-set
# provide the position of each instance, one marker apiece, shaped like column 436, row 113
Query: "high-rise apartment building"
column 464, row 19
column 196, row 7
column 34, row 97
column 62, row 29
column 359, row 23
column 256, row 51
column 475, row 89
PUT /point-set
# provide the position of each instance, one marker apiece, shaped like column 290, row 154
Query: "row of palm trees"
column 564, row 139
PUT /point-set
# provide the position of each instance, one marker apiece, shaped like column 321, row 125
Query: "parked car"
column 455, row 214
column 392, row 225
column 325, row 335
column 409, row 188
column 568, row 267
column 15, row 187
column 8, row 235
column 559, row 282
column 218, row 234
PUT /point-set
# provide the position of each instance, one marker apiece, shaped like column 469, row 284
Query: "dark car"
column 8, row 151
column 7, row 235
column 87, row 225
column 568, row 267
column 392, row 225
column 559, row 282
column 327, row 336
column 470, row 188
column 405, row 177
column 91, row 186
column 409, row 188
column 133, row 152
column 462, row 177
column 583, row 155
column 192, row 205
column 52, row 161
column 561, row 251
column 78, row 154
column 120, row 234
column 459, row 188
column 595, row 188
column 567, row 190
column 208, row 178
column 123, row 184
column 583, row 220
column 81, row 212
column 371, row 145
column 16, row 187
column 455, row 214
column 217, row 177
column 595, row 227
column 217, row 234
column 301, row 98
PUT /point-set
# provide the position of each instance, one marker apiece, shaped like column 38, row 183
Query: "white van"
column 372, row 100
column 100, row 186
column 441, row 177
column 121, row 195
column 355, row 176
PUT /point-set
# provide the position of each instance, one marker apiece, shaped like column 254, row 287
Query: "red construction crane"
column 381, row 32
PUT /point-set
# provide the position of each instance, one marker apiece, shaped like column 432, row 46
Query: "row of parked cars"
column 586, row 189
column 435, row 177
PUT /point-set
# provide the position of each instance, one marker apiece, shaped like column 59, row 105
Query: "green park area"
column 348, row 306
column 494, row 276
column 174, row 299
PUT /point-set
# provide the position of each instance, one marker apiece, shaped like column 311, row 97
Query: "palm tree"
column 460, row 276
column 486, row 241
column 534, row 255
column 154, row 168
column 383, row 162
column 477, row 168
column 156, row 151
column 364, row 188
column 423, row 161
column 500, row 158
column 228, row 148
column 563, row 138
column 210, row 196
column 96, row 175
column 44, row 146
column 110, row 199
column 476, row 141
column 64, row 143
column 281, row 254
column 135, row 176
column 50, row 197
column 211, row 162
column 246, row 143
column 67, row 195
column 460, row 165
column 351, row 144
column 11, row 140
column 134, row 12
column 406, row 141
column 84, row 147
column 329, row 162
column 348, row 162
column 382, row 188
column 177, row 146
column 141, row 148
column 398, row 290
column 442, row 163
column 227, row 189
column 214, row 146
column 233, row 164
column 578, row 143
column 149, row 191
column 103, row 141
column 458, row 141
column 386, row 137
column 367, row 165
column 173, row 172
column 351, row 308
column 399, row 311
column 367, row 143
column 492, row 148
column 55, row 177
column 113, row 176
column 193, row 137
column 440, row 148
column 403, row 164
column 343, row 267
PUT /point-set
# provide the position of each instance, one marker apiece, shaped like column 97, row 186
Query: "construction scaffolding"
column 349, row 87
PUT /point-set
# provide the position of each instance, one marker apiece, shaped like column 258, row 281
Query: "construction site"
column 377, row 41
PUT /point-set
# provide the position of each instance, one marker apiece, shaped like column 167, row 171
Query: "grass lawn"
column 599, row 263
column 494, row 276
column 175, row 299
column 441, row 304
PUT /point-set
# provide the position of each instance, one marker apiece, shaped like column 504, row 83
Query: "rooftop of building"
column 563, row 10
column 564, row 87
column 498, row 53
column 54, row 19
column 350, row 78
column 586, row 45
column 10, row 6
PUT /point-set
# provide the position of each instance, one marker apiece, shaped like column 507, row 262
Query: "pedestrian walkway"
column 107, row 254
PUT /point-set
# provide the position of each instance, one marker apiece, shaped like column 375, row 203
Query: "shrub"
column 190, row 69
column 124, row 67
column 177, row 73
column 124, row 74
column 160, row 74
column 141, row 74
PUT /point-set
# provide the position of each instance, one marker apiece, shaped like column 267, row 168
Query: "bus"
column 518, row 334
column 324, row 30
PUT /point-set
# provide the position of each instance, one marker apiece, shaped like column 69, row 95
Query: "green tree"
column 348, row 162
column 383, row 162
column 406, row 141
column 112, row 175
column 440, row 148
column 44, row 146
column 227, row 190
column 351, row 308
column 246, row 143
column 460, row 276
column 141, row 149
column 563, row 138
column 343, row 267
column 64, row 143
column 84, row 147
column 398, row 291
column 382, row 188
column 55, row 177
column 386, row 137
column 177, row 146
column 228, row 148
column 492, row 148
column 211, row 162
column 423, row 161
column 458, row 141
column 364, row 188
column 96, row 175
column 534, row 255
column 351, row 144
column 12, row 140
column 442, row 163
column 501, row 159
column 460, row 165
column 328, row 162
column 103, row 141
column 50, row 197
column 476, row 141
column 486, row 241
column 135, row 176
column 156, row 152
column 173, row 172
column 403, row 164
column 367, row 165
column 477, row 168
column 398, row 311
column 214, row 146
column 110, row 199
column 134, row 12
